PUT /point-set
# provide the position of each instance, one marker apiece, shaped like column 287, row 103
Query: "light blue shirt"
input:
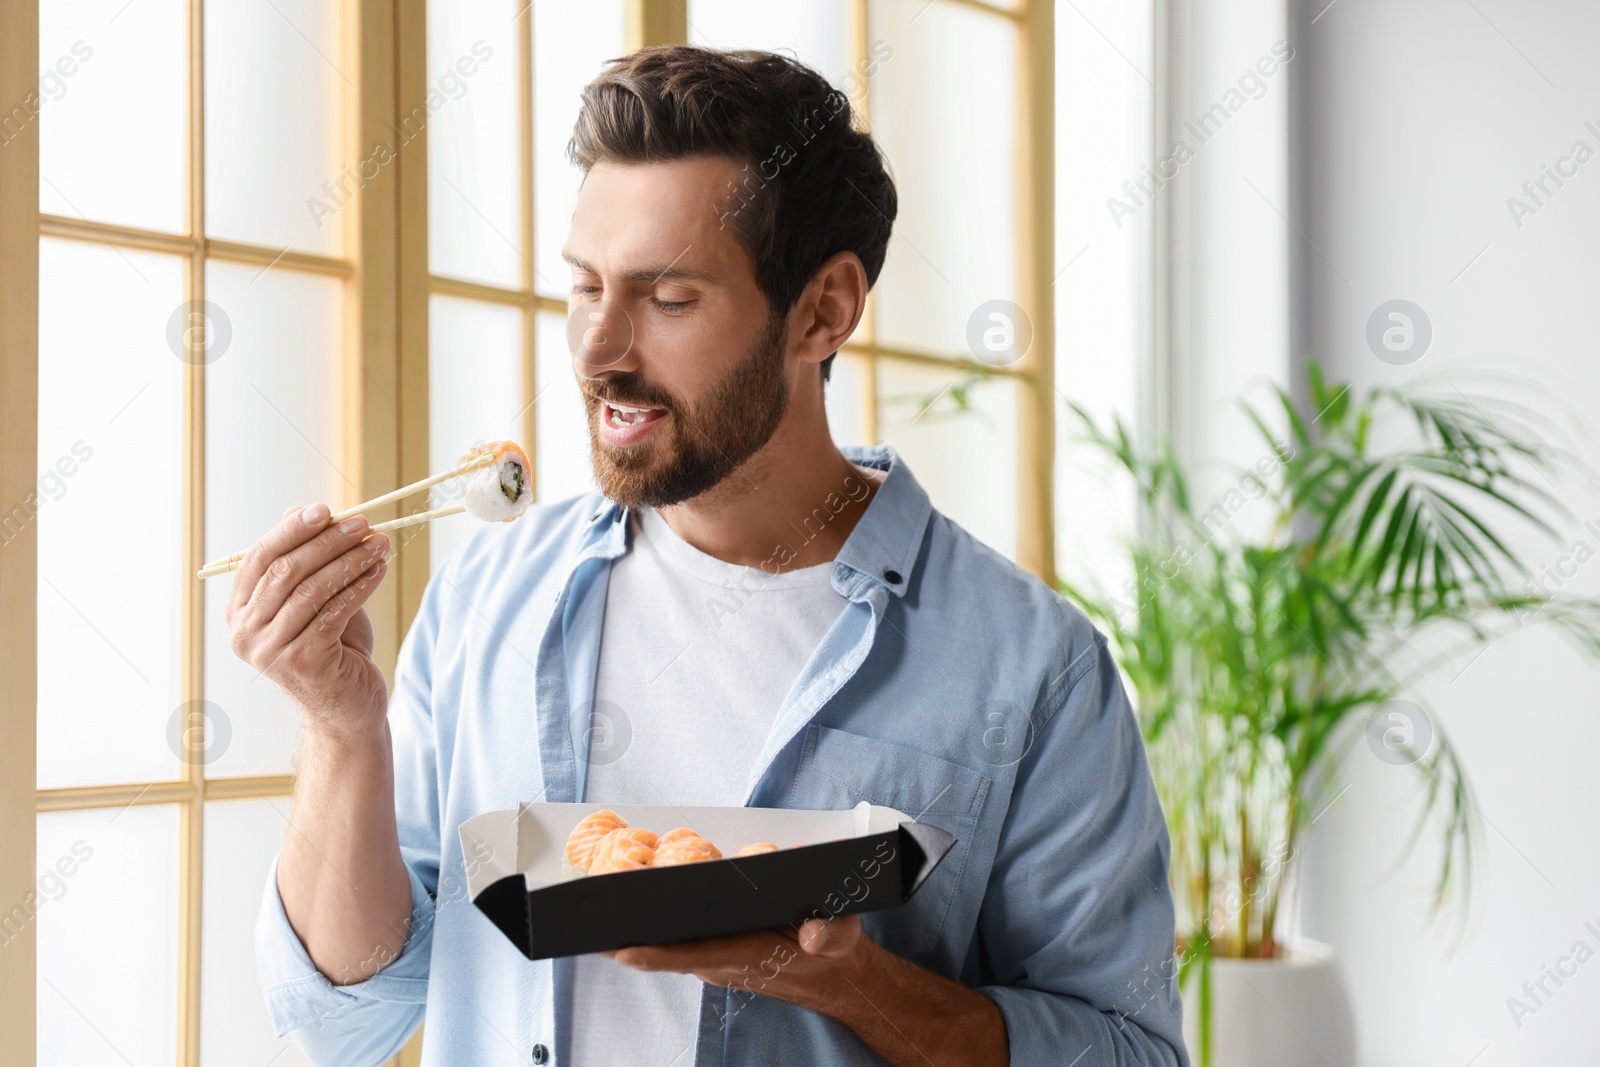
column 954, row 687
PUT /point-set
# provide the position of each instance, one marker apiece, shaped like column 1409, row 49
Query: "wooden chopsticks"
column 476, row 463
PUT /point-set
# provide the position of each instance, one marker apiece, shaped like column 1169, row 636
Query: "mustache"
column 630, row 390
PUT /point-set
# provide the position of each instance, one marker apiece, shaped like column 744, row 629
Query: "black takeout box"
column 865, row 858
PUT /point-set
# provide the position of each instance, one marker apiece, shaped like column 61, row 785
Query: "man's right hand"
column 297, row 617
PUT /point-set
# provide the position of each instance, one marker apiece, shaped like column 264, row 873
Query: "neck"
column 791, row 505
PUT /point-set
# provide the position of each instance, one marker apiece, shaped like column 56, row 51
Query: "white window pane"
column 272, row 441
column 108, row 505
column 474, row 395
column 570, row 44
column 274, row 90
column 816, row 32
column 563, row 457
column 1102, row 141
column 944, row 112
column 108, row 931
column 113, row 94
column 241, row 837
column 845, row 397
column 474, row 179
column 956, row 453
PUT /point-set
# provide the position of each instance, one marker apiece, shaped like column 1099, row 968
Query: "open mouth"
column 624, row 424
column 621, row 415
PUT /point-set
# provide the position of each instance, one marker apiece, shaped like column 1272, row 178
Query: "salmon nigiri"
column 587, row 834
column 683, row 845
column 627, row 848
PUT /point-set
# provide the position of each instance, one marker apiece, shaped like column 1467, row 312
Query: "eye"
column 668, row 305
column 585, row 290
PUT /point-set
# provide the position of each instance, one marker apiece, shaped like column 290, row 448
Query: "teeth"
column 626, row 416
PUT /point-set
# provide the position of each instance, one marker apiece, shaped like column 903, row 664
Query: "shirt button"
column 540, row 1054
column 892, row 576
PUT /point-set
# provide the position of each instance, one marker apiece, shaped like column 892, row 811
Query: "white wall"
column 1418, row 120
column 1226, row 263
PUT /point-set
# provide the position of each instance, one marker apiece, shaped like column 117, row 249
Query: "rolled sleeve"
column 367, row 1021
column 369, row 1013
column 1041, row 1025
column 1077, row 923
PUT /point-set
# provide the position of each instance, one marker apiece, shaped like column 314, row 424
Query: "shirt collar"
column 883, row 547
column 888, row 538
column 607, row 535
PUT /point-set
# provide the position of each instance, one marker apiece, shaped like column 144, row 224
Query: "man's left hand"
column 909, row 1016
column 806, row 967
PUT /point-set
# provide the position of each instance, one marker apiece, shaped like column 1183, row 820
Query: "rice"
column 499, row 493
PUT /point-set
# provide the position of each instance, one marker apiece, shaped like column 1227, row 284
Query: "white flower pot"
column 1287, row 1012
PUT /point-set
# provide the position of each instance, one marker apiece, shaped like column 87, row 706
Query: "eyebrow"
column 671, row 271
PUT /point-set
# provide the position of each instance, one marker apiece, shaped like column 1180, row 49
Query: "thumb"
column 830, row 938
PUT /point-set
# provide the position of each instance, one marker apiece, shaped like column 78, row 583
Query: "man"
column 746, row 615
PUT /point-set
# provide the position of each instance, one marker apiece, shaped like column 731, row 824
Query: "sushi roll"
column 627, row 848
column 683, row 845
column 501, row 491
column 587, row 834
column 758, row 848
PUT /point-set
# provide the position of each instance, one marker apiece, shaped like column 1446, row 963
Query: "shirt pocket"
column 839, row 769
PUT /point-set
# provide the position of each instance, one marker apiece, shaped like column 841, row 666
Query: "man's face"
column 689, row 379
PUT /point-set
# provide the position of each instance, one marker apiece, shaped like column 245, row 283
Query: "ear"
column 830, row 308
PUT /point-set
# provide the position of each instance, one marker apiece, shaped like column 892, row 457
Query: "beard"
column 704, row 441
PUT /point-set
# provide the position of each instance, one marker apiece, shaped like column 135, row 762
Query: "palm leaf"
column 1251, row 659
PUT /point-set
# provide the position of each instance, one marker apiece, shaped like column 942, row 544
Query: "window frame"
column 19, row 453
column 369, row 427
column 384, row 369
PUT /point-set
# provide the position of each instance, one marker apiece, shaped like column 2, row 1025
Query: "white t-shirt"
column 696, row 657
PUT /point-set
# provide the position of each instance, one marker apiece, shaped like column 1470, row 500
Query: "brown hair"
column 812, row 185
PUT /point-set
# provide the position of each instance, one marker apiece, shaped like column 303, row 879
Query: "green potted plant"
column 1254, row 660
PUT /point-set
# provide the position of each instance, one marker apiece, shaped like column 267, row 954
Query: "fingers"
column 684, row 956
column 346, row 604
column 298, row 526
column 317, row 668
column 330, row 592
column 286, row 574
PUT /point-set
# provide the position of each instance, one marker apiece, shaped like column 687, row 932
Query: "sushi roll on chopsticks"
column 498, row 489
column 498, row 493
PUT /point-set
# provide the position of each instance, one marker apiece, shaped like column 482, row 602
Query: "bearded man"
column 744, row 614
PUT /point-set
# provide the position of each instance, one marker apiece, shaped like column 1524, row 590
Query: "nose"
column 600, row 337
